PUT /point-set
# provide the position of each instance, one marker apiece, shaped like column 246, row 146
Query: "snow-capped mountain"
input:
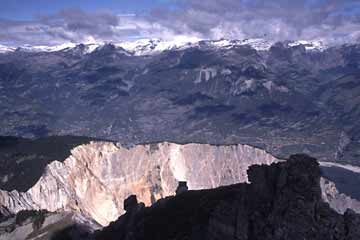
column 155, row 46
column 42, row 48
column 256, row 43
column 309, row 45
column 4, row 49
column 86, row 48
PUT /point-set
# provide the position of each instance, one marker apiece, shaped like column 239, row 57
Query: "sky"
column 52, row 22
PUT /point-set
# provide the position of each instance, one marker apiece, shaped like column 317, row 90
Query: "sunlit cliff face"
column 97, row 177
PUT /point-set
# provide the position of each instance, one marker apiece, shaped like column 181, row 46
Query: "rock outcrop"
column 338, row 201
column 97, row 177
column 283, row 201
column 182, row 187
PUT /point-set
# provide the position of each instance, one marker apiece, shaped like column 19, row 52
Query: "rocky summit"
column 282, row 201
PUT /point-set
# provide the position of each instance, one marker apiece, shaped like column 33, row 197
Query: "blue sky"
column 27, row 9
column 51, row 22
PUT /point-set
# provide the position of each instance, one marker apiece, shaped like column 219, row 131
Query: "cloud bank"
column 332, row 21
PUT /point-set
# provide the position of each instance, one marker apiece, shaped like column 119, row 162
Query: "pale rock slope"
column 97, row 177
column 338, row 201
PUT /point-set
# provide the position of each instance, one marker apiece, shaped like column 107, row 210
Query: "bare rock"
column 182, row 187
column 282, row 201
column 130, row 203
column 97, row 177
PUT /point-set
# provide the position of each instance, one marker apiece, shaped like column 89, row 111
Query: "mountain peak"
column 150, row 46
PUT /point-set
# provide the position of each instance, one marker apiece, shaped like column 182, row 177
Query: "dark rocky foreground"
column 283, row 201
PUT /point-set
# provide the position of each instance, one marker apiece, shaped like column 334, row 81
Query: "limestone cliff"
column 97, row 177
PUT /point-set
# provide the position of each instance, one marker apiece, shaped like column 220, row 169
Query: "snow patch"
column 91, row 48
column 154, row 46
column 256, row 43
column 40, row 48
column 4, row 49
column 310, row 45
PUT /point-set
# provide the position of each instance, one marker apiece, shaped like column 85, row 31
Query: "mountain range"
column 284, row 97
column 156, row 46
column 83, row 126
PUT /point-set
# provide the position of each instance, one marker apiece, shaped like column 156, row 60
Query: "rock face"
column 182, row 187
column 338, row 201
column 283, row 201
column 97, row 177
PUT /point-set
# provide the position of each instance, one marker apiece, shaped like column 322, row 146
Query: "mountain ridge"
column 284, row 100
column 156, row 46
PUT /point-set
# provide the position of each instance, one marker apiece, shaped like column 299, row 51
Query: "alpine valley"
column 284, row 97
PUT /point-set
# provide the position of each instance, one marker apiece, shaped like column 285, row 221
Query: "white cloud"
column 208, row 19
